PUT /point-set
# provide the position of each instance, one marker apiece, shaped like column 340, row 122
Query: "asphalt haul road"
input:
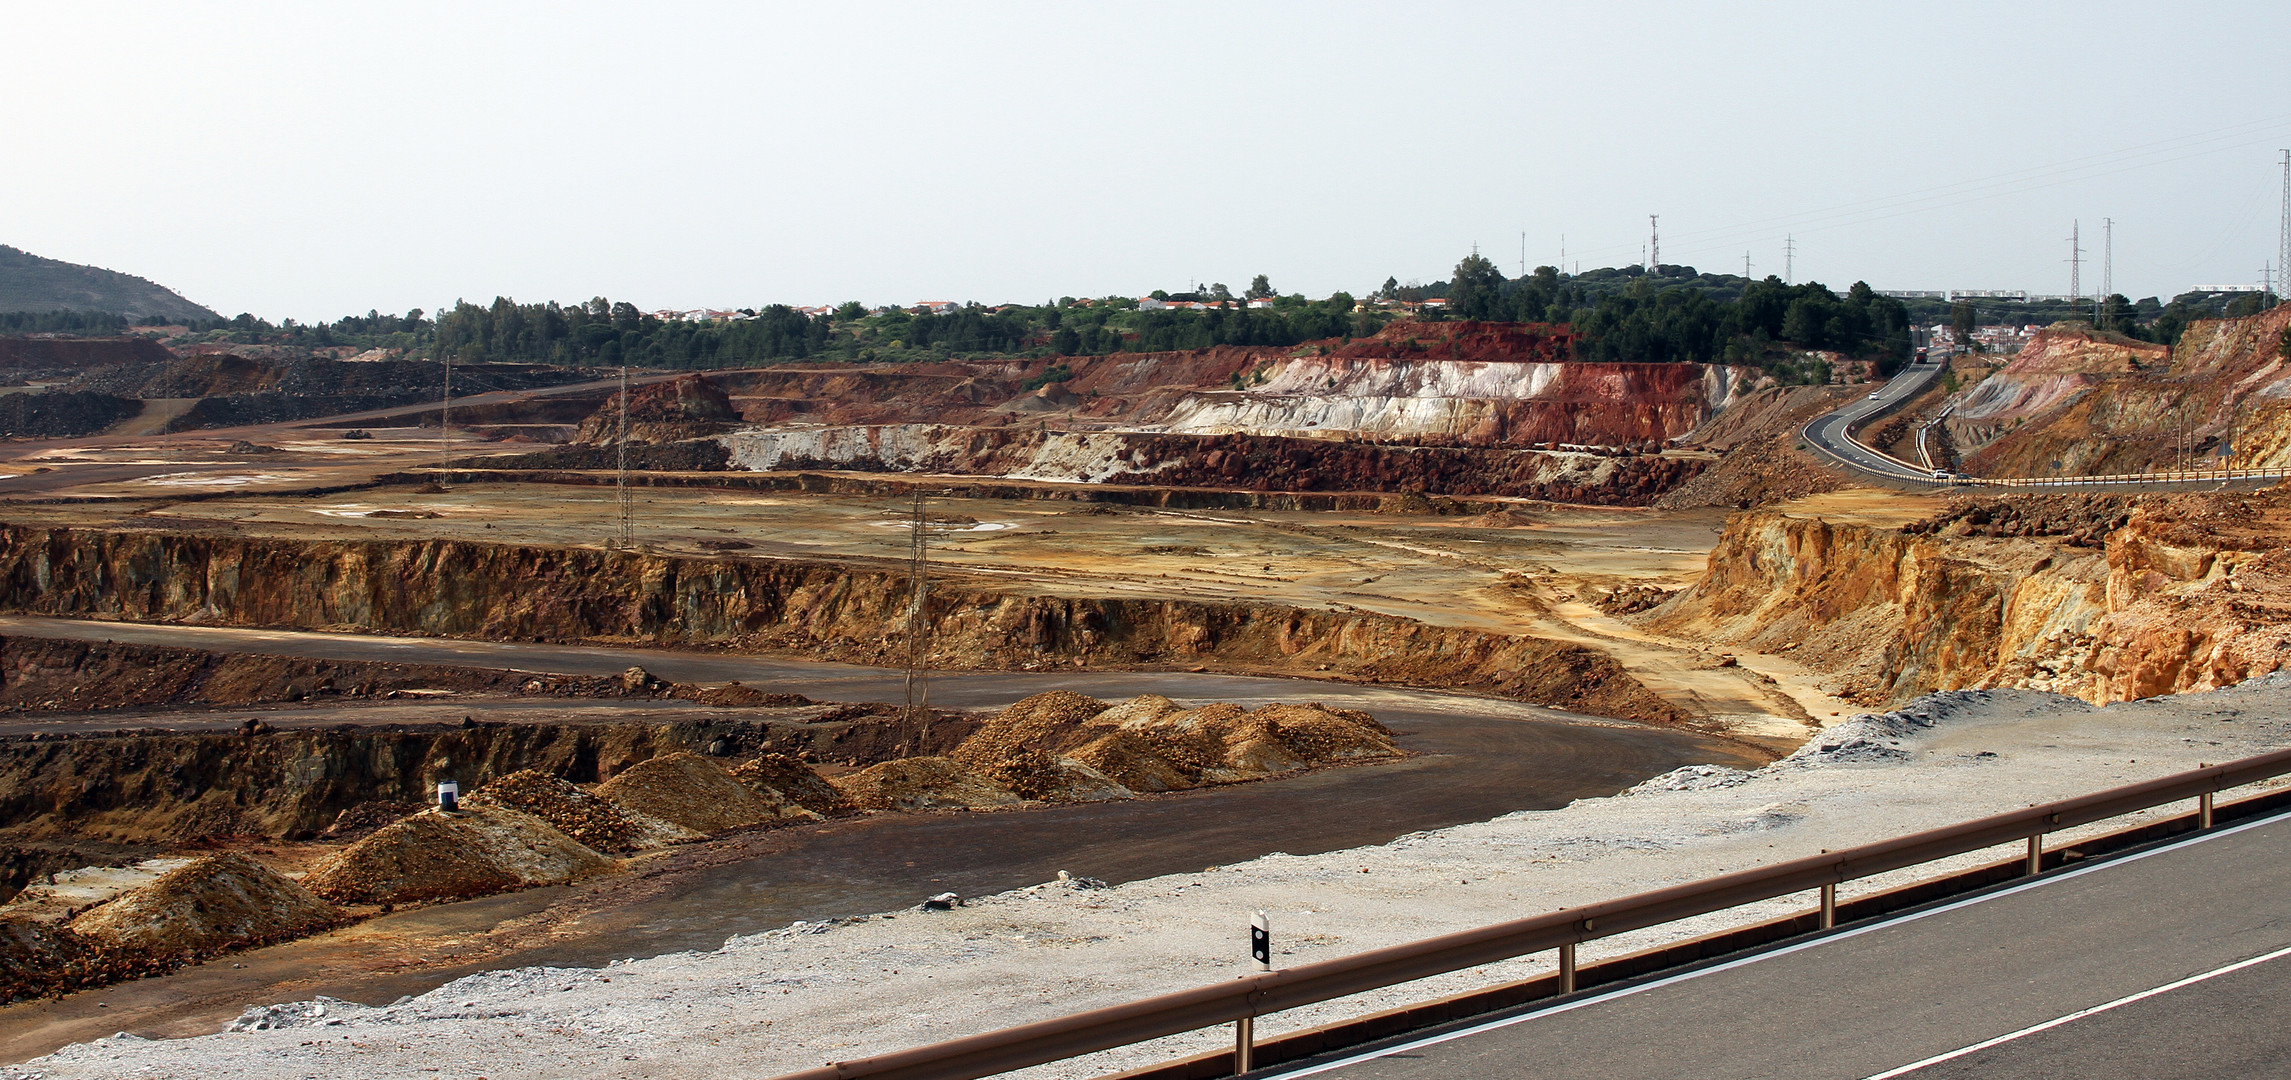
column 1476, row 758
column 2175, row 962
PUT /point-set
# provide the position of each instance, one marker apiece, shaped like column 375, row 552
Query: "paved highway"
column 1830, row 432
column 2175, row 962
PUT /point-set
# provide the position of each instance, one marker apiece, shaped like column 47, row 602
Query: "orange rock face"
column 2103, row 598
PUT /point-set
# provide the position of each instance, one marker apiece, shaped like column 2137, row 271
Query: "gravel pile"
column 214, row 903
column 1019, row 747
column 596, row 822
column 784, row 778
column 434, row 855
column 1154, row 748
column 922, row 783
column 695, row 792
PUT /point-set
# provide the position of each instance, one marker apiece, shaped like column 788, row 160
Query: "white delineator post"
column 449, row 796
column 1245, row 1029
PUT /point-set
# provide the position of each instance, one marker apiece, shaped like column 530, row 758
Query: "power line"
column 2018, row 181
column 2108, row 257
column 627, row 537
column 445, row 424
column 918, row 681
column 2283, row 240
column 2075, row 262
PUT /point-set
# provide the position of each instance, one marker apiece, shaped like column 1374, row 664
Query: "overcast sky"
column 311, row 160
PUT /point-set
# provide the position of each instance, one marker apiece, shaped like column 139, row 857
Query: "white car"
column 1873, row 395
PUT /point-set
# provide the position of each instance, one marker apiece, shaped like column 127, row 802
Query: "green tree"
column 1477, row 288
column 1962, row 320
column 1259, row 288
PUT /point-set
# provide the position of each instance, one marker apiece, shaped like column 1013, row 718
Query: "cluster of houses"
column 1998, row 339
column 943, row 307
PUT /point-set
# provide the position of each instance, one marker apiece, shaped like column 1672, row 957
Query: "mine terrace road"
column 75, row 474
column 1477, row 758
column 1888, row 1000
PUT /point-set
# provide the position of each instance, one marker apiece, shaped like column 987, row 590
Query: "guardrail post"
column 1567, row 968
column 1244, row 1044
column 2035, row 853
column 1829, row 907
column 2203, row 810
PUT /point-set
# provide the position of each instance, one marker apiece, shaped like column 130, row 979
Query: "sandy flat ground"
column 1538, row 578
column 803, row 995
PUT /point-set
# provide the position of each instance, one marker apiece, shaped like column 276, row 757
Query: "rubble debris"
column 783, row 778
column 594, row 820
column 922, row 783
column 438, row 856
column 696, row 793
column 212, row 903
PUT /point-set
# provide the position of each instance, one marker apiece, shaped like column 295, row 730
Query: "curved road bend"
column 1477, row 758
column 2146, row 947
column 1831, row 431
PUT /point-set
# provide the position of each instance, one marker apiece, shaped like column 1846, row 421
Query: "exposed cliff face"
column 504, row 592
column 1479, row 384
column 1250, row 462
column 2073, row 402
column 2089, row 596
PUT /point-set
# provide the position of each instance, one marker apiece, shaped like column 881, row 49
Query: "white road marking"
column 1899, row 920
column 2079, row 1015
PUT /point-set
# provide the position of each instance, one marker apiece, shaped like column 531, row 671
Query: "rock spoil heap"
column 434, row 855
column 595, row 821
column 1064, row 747
column 694, row 792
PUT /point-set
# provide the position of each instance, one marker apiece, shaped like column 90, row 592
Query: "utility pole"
column 2075, row 265
column 1745, row 266
column 627, row 538
column 445, row 424
column 1562, row 253
column 918, row 680
column 1523, row 254
column 2283, row 241
column 2107, row 266
column 1654, row 243
column 1789, row 260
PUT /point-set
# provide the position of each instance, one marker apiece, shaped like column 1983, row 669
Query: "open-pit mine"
column 728, row 652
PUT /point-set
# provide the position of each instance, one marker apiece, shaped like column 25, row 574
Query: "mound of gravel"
column 597, row 822
column 695, row 792
column 922, row 783
column 732, row 695
column 213, row 903
column 1018, row 748
column 1689, row 778
column 1166, row 749
column 783, row 778
column 434, row 855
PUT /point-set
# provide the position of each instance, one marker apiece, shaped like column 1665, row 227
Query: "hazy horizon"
column 310, row 163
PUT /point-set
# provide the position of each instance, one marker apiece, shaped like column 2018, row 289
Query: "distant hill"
column 31, row 283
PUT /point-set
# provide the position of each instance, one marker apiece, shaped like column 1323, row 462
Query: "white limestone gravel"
column 809, row 993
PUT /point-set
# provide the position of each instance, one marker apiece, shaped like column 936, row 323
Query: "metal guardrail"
column 1255, row 995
